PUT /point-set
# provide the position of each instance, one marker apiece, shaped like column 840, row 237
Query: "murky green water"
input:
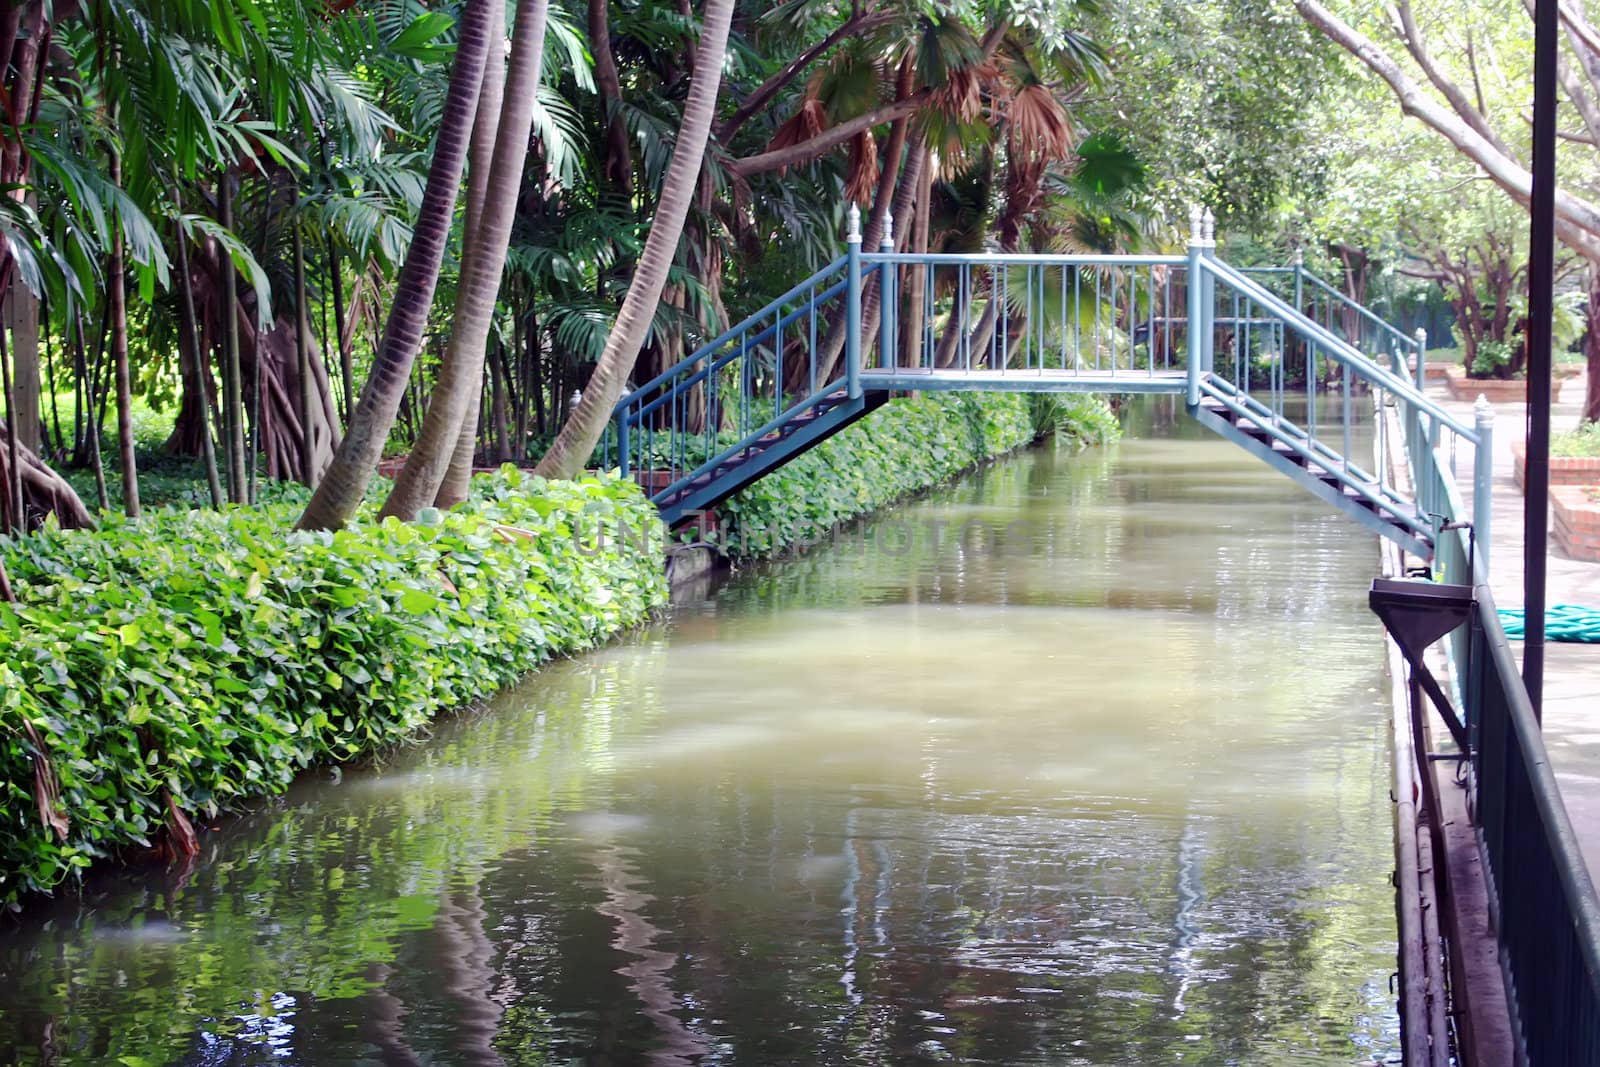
column 1080, row 761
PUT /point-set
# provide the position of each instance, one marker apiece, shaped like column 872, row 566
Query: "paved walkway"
column 1572, row 671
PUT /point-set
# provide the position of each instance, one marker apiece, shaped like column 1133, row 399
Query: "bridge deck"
column 1036, row 380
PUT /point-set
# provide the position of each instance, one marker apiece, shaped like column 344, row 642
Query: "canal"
column 1080, row 760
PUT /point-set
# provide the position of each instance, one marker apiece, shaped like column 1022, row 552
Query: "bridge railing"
column 1341, row 315
column 1311, row 389
column 745, row 382
column 1013, row 314
column 1547, row 913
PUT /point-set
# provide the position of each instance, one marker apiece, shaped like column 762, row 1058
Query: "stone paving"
column 1572, row 671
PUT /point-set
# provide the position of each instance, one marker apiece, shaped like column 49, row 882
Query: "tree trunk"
column 618, row 168
column 341, row 489
column 44, row 492
column 233, row 383
column 193, row 353
column 1591, row 348
column 917, row 311
column 117, row 299
column 22, row 316
column 583, row 428
column 440, row 465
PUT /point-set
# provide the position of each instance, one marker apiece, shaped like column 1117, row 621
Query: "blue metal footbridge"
column 1275, row 360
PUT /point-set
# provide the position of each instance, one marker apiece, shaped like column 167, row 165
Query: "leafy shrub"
column 1083, row 418
column 204, row 658
column 906, row 446
column 1582, row 443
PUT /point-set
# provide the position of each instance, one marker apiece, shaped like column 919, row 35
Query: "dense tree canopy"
column 249, row 214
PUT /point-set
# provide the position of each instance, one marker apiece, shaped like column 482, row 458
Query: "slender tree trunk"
column 618, row 160
column 440, row 465
column 302, row 351
column 117, row 298
column 346, row 358
column 917, row 310
column 340, row 492
column 60, row 451
column 190, row 331
column 1591, row 348
column 15, row 513
column 232, row 378
column 584, row 427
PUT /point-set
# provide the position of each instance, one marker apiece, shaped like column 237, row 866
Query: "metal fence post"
column 1483, row 478
column 888, row 298
column 1208, row 310
column 1197, row 331
column 622, row 442
column 852, row 306
column 1422, row 360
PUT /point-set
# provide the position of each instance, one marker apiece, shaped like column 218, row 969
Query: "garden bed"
column 1564, row 470
column 1577, row 525
column 1502, row 390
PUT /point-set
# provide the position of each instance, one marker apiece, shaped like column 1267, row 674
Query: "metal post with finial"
column 1196, row 287
column 1208, row 298
column 888, row 297
column 852, row 306
column 1482, row 480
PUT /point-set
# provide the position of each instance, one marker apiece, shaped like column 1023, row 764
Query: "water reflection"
column 1103, row 781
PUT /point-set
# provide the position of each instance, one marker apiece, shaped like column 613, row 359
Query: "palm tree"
column 339, row 494
column 453, row 403
column 575, row 442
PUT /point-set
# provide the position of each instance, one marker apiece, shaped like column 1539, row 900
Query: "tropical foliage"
column 169, row 690
column 907, row 446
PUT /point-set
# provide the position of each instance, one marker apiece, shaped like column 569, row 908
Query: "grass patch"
column 1582, row 443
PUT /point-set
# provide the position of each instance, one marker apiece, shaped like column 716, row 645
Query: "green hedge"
column 209, row 657
column 906, row 446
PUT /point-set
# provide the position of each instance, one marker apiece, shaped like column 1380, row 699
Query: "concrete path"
column 1572, row 671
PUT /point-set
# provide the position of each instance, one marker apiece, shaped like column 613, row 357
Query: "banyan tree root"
column 44, row 492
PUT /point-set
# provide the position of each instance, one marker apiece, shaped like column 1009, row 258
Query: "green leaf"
column 418, row 602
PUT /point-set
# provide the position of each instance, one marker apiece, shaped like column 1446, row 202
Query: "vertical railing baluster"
column 852, row 290
column 1077, row 318
column 1097, row 307
column 1344, row 373
column 811, row 347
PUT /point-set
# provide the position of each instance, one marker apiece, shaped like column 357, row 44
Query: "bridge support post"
column 852, row 306
column 1483, row 476
column 888, row 299
column 1208, row 309
column 1199, row 333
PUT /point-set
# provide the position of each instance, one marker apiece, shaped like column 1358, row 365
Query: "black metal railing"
column 1548, row 914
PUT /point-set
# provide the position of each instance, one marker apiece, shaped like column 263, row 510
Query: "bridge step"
column 761, row 455
column 1361, row 498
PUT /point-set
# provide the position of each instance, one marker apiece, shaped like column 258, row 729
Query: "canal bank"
column 1064, row 788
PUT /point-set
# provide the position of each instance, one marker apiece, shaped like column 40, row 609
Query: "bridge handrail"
column 1344, row 300
column 1342, row 351
column 678, row 369
column 1023, row 259
column 1548, row 910
column 712, row 365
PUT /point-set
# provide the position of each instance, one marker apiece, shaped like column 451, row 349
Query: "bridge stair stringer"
column 1289, row 449
column 763, row 454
